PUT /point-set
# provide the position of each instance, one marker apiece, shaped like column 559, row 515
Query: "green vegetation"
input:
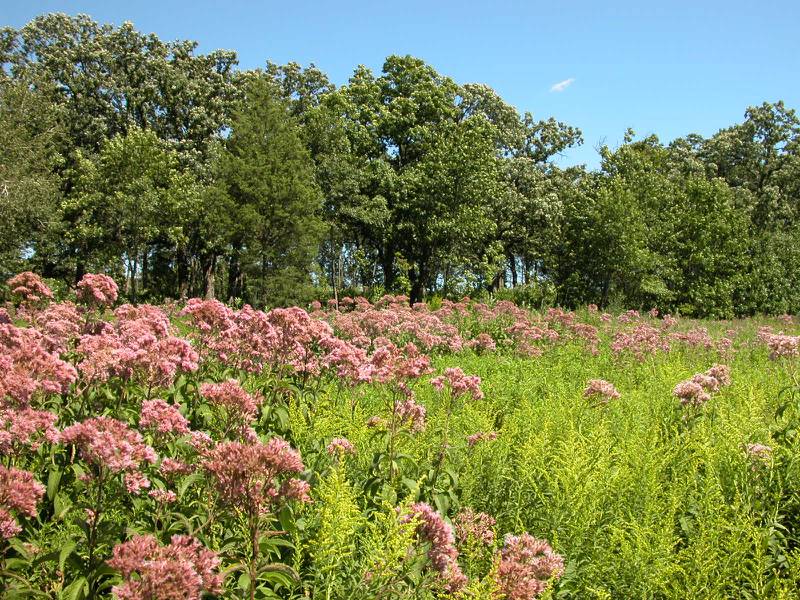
column 183, row 176
column 383, row 451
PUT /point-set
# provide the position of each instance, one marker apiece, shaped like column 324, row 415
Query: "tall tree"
column 29, row 188
column 269, row 174
column 133, row 195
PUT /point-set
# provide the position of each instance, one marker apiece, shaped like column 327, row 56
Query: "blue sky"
column 670, row 67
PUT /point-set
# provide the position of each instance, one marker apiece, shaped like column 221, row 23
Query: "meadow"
column 360, row 450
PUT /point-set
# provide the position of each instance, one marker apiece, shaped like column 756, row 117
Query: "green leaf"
column 244, row 581
column 53, row 482
column 61, row 505
column 66, row 550
column 77, row 590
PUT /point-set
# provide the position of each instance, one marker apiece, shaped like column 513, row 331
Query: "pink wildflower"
column 163, row 496
column 135, row 482
column 182, row 569
column 759, row 455
column 483, row 342
column 109, row 443
column 60, row 325
column 97, row 290
column 28, row 368
column 691, row 393
column 412, row 414
column 699, row 388
column 459, row 383
column 722, row 373
column 601, row 389
column 780, row 346
column 642, row 340
column 340, row 446
column 139, row 347
column 247, row 476
column 20, row 494
column 526, row 567
column 474, row 526
column 443, row 555
column 30, row 288
column 231, row 396
column 481, row 436
column 376, row 422
column 235, row 407
column 171, row 467
column 26, row 428
column 200, row 440
column 163, row 418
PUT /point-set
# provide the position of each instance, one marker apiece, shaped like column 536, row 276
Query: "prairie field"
column 360, row 450
column 420, row 329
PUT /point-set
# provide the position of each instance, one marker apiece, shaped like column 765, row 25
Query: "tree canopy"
column 181, row 174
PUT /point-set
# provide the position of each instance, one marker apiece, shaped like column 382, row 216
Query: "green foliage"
column 29, row 187
column 275, row 186
column 269, row 175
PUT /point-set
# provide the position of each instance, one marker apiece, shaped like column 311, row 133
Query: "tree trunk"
column 145, row 269
column 210, row 270
column 497, row 281
column 234, row 275
column 182, row 275
column 417, row 289
column 512, row 262
column 387, row 264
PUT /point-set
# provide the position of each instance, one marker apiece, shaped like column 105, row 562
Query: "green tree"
column 132, row 196
column 269, row 175
column 428, row 171
column 109, row 79
column 29, row 188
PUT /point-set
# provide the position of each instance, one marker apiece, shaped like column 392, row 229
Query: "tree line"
column 182, row 175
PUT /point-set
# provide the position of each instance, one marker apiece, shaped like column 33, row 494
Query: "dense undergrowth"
column 382, row 451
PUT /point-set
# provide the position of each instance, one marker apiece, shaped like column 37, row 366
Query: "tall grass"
column 644, row 499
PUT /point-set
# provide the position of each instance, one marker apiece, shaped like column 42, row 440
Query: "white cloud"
column 562, row 85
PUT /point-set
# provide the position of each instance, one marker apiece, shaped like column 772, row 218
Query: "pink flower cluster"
column 254, row 477
column 20, row 494
column 235, row 407
column 340, row 446
column 641, row 341
column 138, row 347
column 163, row 418
column 459, row 383
column 232, row 397
column 30, row 288
column 97, row 290
column 23, row 429
column 409, row 413
column 392, row 364
column 475, row 527
column 60, row 325
column 527, row 565
column 780, row 345
column 629, row 316
column 600, row 389
column 697, row 338
column 698, row 389
column 482, row 342
column 27, row 367
column 111, row 445
column 392, row 318
column 481, row 436
column 443, row 554
column 181, row 570
column 759, row 455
